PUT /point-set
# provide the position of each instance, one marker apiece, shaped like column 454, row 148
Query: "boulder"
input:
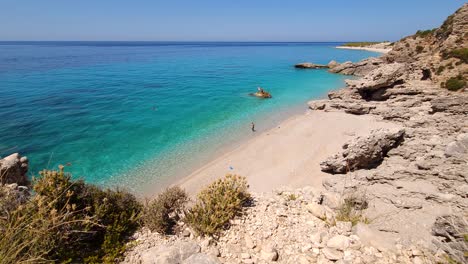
column 339, row 242
column 385, row 76
column 175, row 254
column 317, row 104
column 332, row 64
column 309, row 65
column 364, row 152
column 201, row 258
column 13, row 169
column 269, row 253
column 360, row 68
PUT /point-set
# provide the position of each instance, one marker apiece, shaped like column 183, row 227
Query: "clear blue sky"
column 211, row 20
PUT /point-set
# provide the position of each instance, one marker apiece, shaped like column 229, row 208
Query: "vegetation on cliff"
column 68, row 221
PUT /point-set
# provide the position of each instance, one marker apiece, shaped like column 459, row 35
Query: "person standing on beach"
column 252, row 125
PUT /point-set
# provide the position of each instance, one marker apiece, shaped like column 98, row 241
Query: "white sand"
column 380, row 50
column 288, row 155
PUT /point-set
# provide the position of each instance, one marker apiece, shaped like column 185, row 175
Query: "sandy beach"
column 287, row 155
column 380, row 50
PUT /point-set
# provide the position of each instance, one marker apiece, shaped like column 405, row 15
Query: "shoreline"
column 287, row 155
column 379, row 50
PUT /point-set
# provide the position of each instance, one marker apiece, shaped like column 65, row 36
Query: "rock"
column 364, row 152
column 344, row 227
column 332, row 64
column 450, row 104
column 249, row 242
column 358, row 109
column 269, row 253
column 332, row 254
column 459, row 147
column 308, row 65
column 214, row 252
column 360, row 68
column 317, row 210
column 385, row 76
column 339, row 242
column 170, row 254
column 317, row 104
column 200, row 258
column 13, row 169
column 452, row 230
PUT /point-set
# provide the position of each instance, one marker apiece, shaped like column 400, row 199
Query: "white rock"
column 339, row 242
column 332, row 254
column 317, row 210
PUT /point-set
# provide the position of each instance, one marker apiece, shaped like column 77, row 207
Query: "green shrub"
column 455, row 83
column 359, row 44
column 218, row 203
column 461, row 54
column 440, row 69
column 352, row 208
column 419, row 49
column 424, row 33
column 74, row 221
column 162, row 213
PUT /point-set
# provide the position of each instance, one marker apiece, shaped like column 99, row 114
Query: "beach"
column 380, row 50
column 287, row 155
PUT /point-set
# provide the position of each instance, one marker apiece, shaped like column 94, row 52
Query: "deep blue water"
column 138, row 113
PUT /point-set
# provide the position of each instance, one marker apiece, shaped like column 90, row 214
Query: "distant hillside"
column 443, row 50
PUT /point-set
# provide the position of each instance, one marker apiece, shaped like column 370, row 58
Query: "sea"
column 140, row 115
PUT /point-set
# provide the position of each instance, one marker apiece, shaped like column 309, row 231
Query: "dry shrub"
column 351, row 209
column 162, row 213
column 218, row 203
column 68, row 222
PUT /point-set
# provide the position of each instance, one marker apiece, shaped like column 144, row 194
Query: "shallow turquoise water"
column 139, row 113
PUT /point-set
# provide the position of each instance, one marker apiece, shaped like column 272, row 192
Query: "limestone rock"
column 200, row 258
column 309, row 65
column 13, row 169
column 364, row 153
column 360, row 68
column 459, row 147
column 170, row 254
column 332, row 254
column 332, row 64
column 339, row 242
column 384, row 76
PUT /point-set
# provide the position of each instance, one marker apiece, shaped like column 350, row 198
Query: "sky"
column 220, row 20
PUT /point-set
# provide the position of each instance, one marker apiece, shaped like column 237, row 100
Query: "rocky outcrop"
column 360, row 68
column 13, row 169
column 309, row 65
column 383, row 77
column 363, row 153
column 450, row 232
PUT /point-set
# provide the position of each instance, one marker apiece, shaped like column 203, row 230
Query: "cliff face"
column 417, row 193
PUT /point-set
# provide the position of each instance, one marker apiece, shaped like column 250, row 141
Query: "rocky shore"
column 392, row 196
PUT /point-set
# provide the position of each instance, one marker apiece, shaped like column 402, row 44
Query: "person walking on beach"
column 252, row 125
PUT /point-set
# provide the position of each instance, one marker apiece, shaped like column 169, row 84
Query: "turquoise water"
column 139, row 113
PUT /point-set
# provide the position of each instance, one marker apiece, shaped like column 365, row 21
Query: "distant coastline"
column 380, row 50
